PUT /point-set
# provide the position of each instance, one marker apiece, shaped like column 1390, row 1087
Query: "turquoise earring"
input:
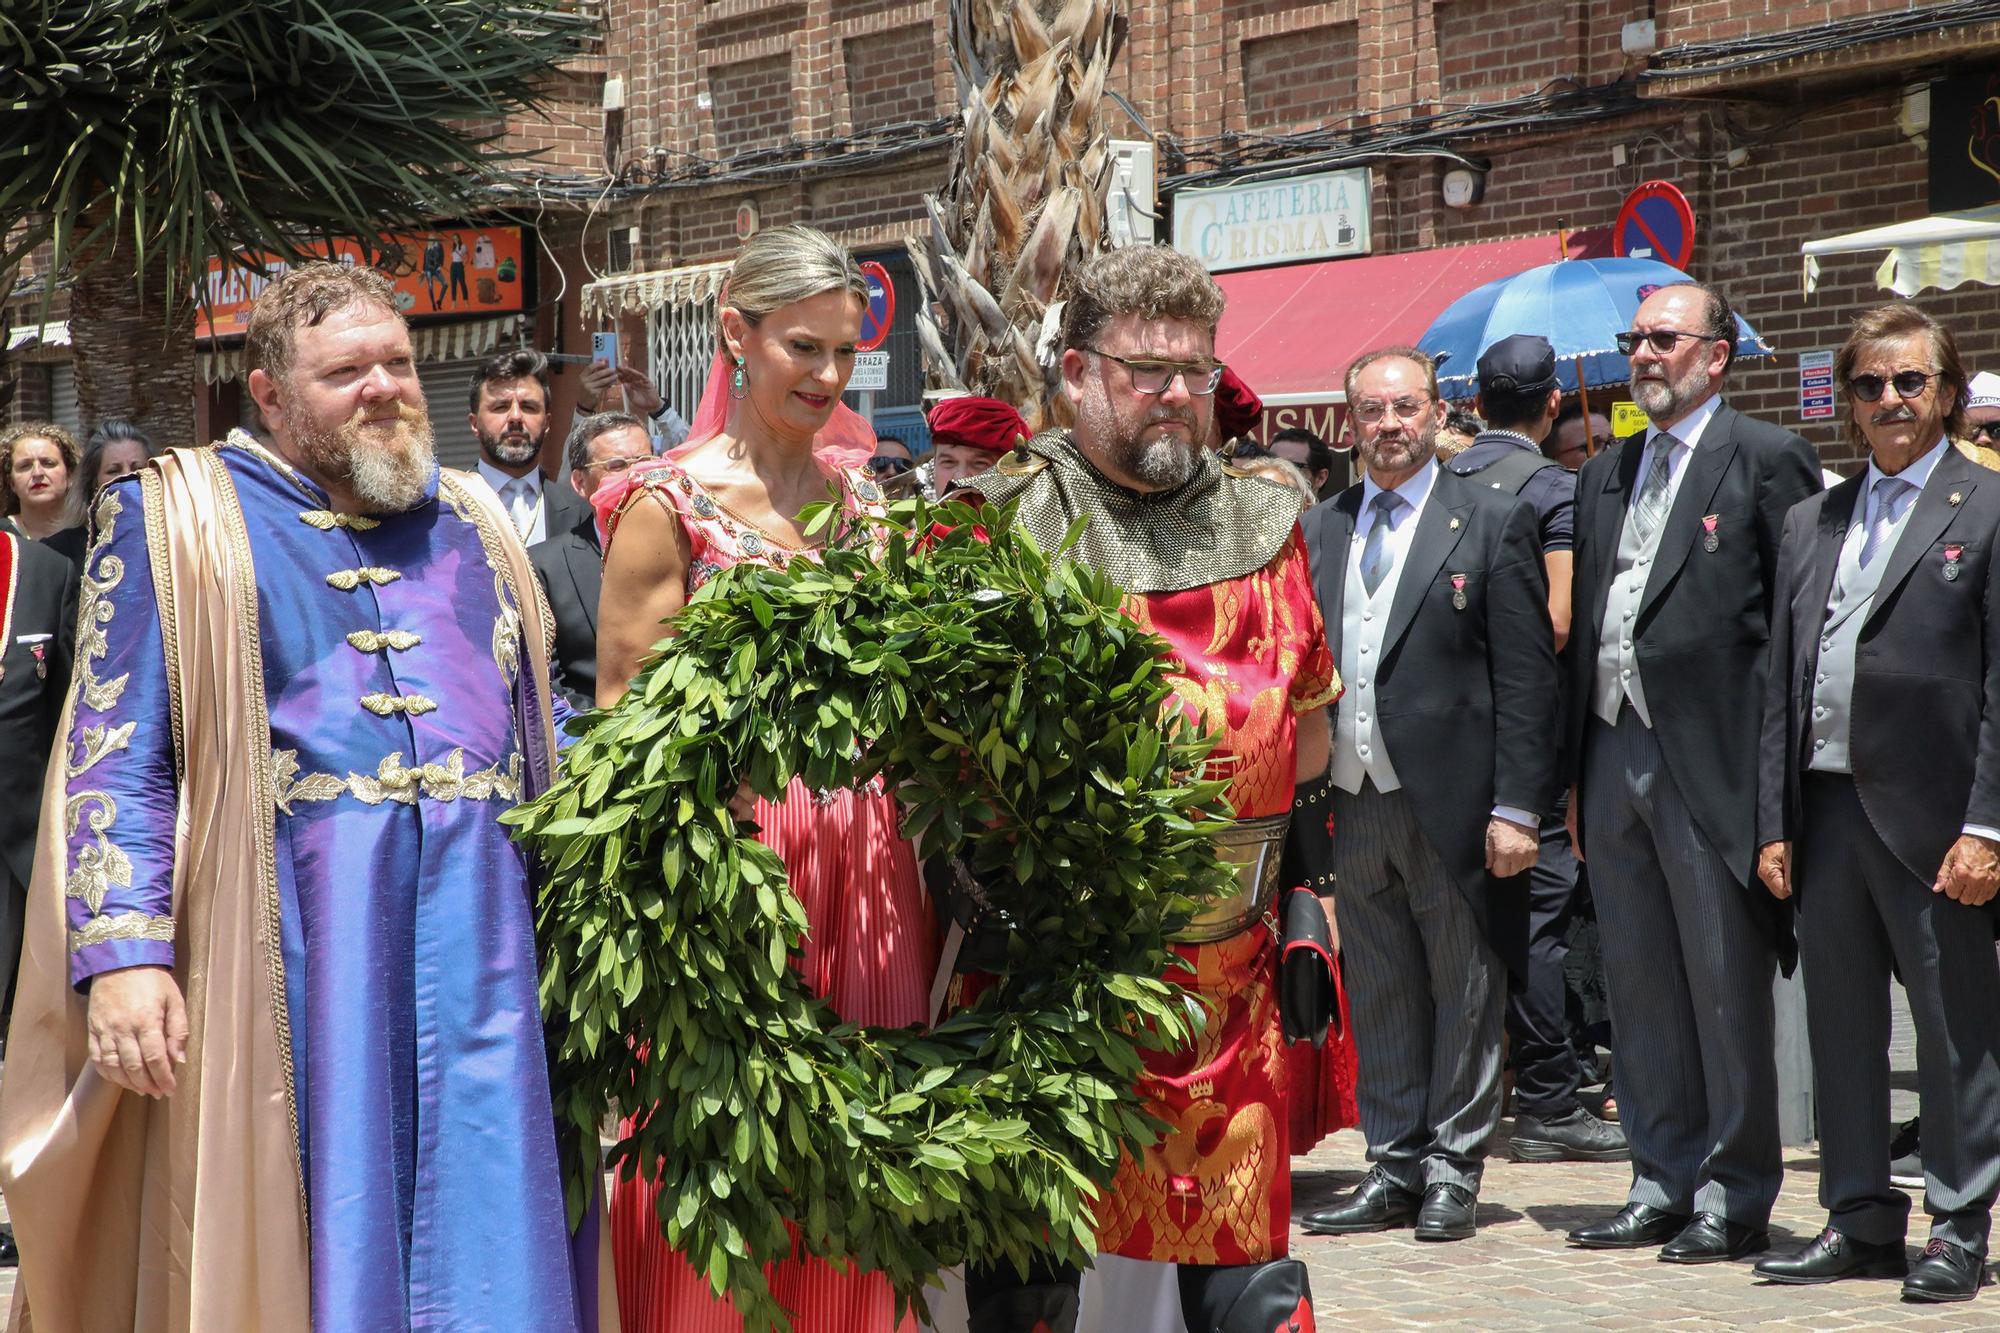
column 739, row 383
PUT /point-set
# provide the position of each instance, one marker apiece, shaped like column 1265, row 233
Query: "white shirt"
column 522, row 498
column 1355, row 721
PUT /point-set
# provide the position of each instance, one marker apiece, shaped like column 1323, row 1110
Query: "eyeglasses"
column 1907, row 383
column 1156, row 376
column 1369, row 410
column 888, row 465
column 620, row 464
column 1661, row 341
column 1985, row 432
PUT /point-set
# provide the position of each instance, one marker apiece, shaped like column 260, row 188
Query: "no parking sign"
column 881, row 312
column 1657, row 222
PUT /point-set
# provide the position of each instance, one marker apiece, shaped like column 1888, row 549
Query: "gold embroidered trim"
column 372, row 641
column 153, row 500
column 410, row 705
column 393, row 781
column 347, row 580
column 101, row 868
column 507, row 625
column 122, row 926
column 95, row 743
column 326, row 520
column 94, row 614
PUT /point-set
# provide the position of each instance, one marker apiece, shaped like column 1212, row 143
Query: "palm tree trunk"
column 1025, row 200
column 133, row 351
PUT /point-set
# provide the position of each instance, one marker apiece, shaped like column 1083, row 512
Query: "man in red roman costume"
column 1213, row 562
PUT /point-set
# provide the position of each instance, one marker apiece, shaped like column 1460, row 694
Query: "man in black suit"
column 510, row 419
column 1676, row 546
column 37, row 631
column 1445, row 758
column 1879, row 806
column 570, row 564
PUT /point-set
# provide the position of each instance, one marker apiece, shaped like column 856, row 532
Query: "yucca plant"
column 1024, row 202
column 140, row 137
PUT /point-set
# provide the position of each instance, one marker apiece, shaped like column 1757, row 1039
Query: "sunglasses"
column 1661, row 341
column 1985, row 432
column 620, row 464
column 888, row 465
column 1907, row 383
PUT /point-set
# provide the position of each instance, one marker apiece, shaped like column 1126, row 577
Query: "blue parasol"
column 1577, row 304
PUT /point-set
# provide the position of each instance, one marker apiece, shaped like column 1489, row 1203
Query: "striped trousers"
column 1426, row 992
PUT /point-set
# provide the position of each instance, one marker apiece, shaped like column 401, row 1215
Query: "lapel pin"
column 1457, row 586
column 1454, row 525
column 1951, row 555
column 1710, row 541
column 1956, row 500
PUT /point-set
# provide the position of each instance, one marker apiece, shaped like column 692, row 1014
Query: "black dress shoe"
column 1947, row 1272
column 1377, row 1204
column 1635, row 1227
column 1832, row 1256
column 1449, row 1212
column 1711, row 1238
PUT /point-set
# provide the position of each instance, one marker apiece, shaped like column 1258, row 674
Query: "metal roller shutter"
column 447, row 389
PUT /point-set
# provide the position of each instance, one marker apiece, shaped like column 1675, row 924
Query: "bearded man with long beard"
column 1212, row 561
column 276, row 1059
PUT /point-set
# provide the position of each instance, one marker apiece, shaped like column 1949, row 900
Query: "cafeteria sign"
column 448, row 272
column 1320, row 216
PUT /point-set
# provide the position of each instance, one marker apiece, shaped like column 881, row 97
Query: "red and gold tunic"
column 1250, row 656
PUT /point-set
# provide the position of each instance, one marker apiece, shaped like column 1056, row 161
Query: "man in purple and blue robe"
column 278, row 1059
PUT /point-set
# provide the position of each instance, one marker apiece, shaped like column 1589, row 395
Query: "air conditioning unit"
column 1132, row 205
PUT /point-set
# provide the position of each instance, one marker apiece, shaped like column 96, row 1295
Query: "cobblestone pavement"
column 1518, row 1274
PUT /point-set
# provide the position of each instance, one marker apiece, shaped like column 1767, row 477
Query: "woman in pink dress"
column 789, row 320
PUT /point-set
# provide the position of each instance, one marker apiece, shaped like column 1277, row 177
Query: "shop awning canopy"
column 639, row 293
column 1291, row 332
column 38, row 335
column 1944, row 251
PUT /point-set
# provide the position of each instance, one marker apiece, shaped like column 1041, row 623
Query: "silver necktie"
column 1888, row 504
column 1375, row 557
column 1651, row 508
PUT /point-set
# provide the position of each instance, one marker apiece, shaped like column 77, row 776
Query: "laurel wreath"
column 1024, row 723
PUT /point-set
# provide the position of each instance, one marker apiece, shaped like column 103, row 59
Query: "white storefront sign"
column 1320, row 216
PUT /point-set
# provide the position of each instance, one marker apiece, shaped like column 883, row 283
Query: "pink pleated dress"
column 871, row 948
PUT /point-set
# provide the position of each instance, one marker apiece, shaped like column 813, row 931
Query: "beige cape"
column 184, row 1215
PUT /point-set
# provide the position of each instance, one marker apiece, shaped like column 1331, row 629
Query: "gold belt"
column 1254, row 846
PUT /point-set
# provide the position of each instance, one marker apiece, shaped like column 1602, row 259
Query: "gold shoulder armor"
column 1014, row 463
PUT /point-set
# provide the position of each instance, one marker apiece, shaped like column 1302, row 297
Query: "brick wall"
column 891, row 77
column 752, row 101
column 1304, row 77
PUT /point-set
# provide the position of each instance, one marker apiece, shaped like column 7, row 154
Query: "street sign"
column 1657, row 222
column 1816, row 386
column 871, row 373
column 1627, row 418
column 881, row 312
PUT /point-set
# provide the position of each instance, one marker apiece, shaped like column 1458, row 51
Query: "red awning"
column 1291, row 332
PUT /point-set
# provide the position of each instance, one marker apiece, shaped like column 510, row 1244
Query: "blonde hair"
column 784, row 265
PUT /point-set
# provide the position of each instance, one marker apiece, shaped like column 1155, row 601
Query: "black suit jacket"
column 1466, row 699
column 1925, row 737
column 32, row 690
column 1704, row 623
column 571, row 569
column 562, row 508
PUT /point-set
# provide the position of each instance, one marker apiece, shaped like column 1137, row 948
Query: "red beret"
column 986, row 424
column 1237, row 406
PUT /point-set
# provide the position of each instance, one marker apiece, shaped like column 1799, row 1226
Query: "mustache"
column 1889, row 416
